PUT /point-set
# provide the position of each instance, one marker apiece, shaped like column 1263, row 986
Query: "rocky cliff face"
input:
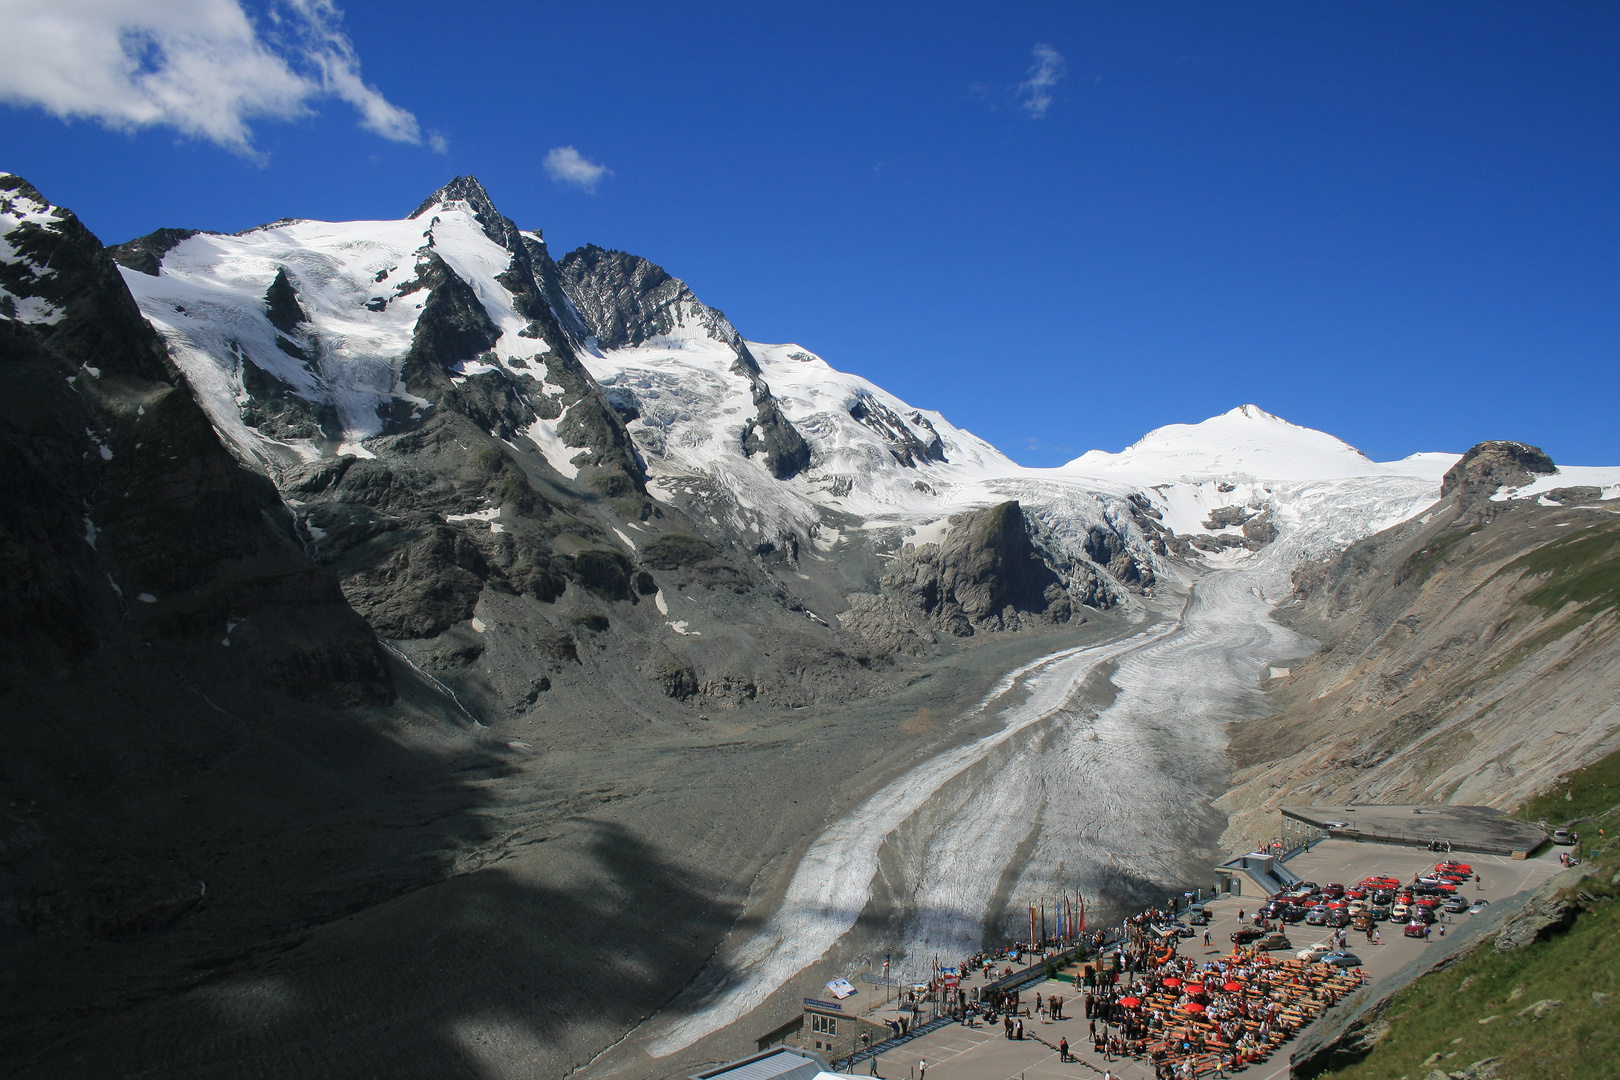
column 624, row 300
column 1490, row 466
column 173, row 664
column 1465, row 659
column 986, row 575
column 122, row 509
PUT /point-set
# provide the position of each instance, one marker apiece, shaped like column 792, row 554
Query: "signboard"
column 841, row 988
column 816, row 1003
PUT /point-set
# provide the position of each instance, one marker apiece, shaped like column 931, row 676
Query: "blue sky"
column 1059, row 224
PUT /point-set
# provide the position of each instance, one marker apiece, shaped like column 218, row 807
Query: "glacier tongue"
column 1062, row 797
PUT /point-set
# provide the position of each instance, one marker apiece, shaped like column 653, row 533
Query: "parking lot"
column 960, row 1053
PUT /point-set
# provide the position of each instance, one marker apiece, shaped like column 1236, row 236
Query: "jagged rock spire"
column 467, row 189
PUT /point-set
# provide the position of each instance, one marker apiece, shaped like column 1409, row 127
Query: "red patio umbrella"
column 1193, row 988
column 1232, row 987
column 1172, row 982
column 1130, row 1002
column 1193, row 1007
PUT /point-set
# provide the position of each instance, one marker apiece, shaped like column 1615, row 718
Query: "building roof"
column 1467, row 828
column 777, row 1063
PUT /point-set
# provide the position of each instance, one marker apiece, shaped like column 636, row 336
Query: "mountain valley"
column 425, row 656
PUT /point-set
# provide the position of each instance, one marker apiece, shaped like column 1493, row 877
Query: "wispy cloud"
column 566, row 165
column 202, row 67
column 1044, row 74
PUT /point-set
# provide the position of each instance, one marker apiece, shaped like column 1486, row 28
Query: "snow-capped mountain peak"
column 1244, row 442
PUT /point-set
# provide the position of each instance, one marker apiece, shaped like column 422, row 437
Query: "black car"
column 1246, row 935
column 1293, row 913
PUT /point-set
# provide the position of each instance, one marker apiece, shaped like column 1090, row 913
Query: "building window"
column 823, row 1025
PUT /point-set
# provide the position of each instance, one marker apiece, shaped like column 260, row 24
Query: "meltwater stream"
column 1063, row 796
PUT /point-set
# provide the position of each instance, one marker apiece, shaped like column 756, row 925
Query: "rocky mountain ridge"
column 1469, row 655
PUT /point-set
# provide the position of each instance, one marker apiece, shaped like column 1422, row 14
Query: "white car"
column 1399, row 912
column 1315, row 952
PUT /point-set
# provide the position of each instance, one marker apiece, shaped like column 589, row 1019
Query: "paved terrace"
column 1467, row 828
column 956, row 1052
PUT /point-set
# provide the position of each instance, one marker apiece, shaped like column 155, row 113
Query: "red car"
column 1416, row 929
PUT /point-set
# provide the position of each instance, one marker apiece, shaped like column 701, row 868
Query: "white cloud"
column 566, row 165
column 1044, row 74
column 202, row 67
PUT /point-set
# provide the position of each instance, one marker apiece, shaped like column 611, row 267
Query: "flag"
column 1043, row 921
column 1032, row 923
column 1082, row 898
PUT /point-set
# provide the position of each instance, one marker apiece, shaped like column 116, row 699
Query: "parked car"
column 1379, row 912
column 1294, row 914
column 1246, row 935
column 1478, row 906
column 1317, row 916
column 1333, row 890
column 1383, row 896
column 1564, row 837
column 1338, row 917
column 1417, row 928
column 1361, row 922
column 1200, row 917
column 1456, row 904
column 1274, row 942
column 1342, row 959
column 1316, row 952
column 1400, row 911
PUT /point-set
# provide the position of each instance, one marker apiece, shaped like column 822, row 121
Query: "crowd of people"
column 1142, row 999
column 1194, row 1019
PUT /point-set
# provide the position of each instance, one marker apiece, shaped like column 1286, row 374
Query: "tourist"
column 922, row 1068
column 1063, row 1049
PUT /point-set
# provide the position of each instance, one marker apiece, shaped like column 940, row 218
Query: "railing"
column 845, row 1064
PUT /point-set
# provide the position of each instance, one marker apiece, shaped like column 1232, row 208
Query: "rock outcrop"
column 986, row 575
column 1490, row 466
column 1551, row 908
